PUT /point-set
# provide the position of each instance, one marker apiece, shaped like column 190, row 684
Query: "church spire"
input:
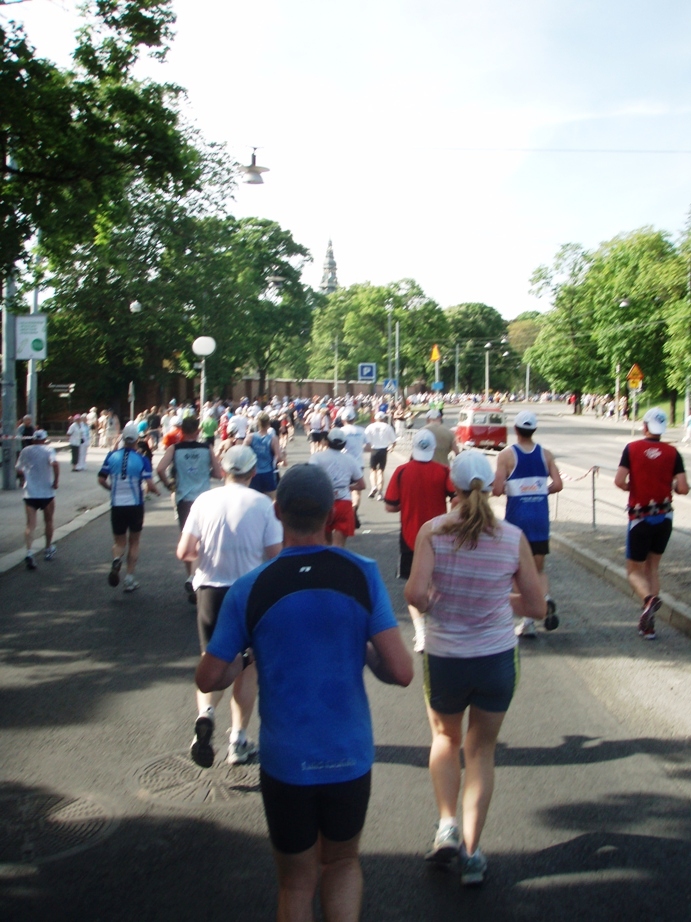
column 329, row 282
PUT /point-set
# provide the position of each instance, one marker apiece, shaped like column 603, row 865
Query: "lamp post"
column 488, row 346
column 252, row 172
column 203, row 346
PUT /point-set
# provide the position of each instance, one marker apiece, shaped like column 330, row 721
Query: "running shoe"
column 240, row 751
column 191, row 594
column 446, row 846
column 357, row 518
column 130, row 584
column 473, row 868
column 526, row 628
column 50, row 552
column 372, row 494
column 551, row 622
column 114, row 572
column 380, row 496
column 646, row 624
column 30, row 562
column 201, row 750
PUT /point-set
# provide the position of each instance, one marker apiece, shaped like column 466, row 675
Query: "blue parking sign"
column 367, row 372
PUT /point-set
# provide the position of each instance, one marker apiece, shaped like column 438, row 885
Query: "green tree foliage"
column 72, row 141
column 361, row 316
column 565, row 352
column 472, row 325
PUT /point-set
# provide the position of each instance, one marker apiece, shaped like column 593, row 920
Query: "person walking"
column 418, row 490
column 345, row 475
column 264, row 443
column 464, row 566
column 380, row 439
column 85, row 430
column 74, row 438
column 528, row 474
column 38, row 465
column 650, row 471
column 354, row 446
column 126, row 474
column 227, row 533
column 312, row 619
column 192, row 465
column 445, row 439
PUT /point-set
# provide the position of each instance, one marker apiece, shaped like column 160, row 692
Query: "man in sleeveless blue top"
column 527, row 474
column 313, row 617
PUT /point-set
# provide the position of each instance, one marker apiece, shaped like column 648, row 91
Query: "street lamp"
column 203, row 346
column 253, row 172
column 135, row 307
column 488, row 346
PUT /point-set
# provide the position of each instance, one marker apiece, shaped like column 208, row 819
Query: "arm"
column 272, row 550
column 556, row 486
column 188, row 547
column 358, row 484
column 681, row 485
column 621, row 478
column 214, row 674
column 164, row 464
column 529, row 602
column 503, row 471
column 417, row 590
column 216, row 469
column 56, row 473
column 103, row 481
column 388, row 658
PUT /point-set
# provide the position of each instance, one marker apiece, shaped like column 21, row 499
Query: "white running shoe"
column 239, row 752
column 446, row 846
column 50, row 552
column 130, row 584
column 526, row 628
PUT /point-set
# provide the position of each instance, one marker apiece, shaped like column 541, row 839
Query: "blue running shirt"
column 526, row 494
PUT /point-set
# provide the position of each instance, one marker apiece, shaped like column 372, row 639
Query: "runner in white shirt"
column 355, row 446
column 380, row 439
column 346, row 475
column 41, row 471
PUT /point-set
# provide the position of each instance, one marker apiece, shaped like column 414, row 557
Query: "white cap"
column 433, row 414
column 349, row 414
column 336, row 437
column 239, row 460
column 379, row 416
column 526, row 419
column 40, row 435
column 130, row 433
column 655, row 420
column 424, row 444
column 471, row 465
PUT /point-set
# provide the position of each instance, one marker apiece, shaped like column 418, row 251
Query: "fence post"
column 594, row 472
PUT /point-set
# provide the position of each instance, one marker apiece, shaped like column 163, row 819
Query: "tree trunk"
column 673, row 397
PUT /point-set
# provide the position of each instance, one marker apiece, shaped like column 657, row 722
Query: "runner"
column 39, row 467
column 380, row 439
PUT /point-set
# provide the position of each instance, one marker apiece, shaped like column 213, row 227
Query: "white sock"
column 238, row 736
column 208, row 712
column 448, row 823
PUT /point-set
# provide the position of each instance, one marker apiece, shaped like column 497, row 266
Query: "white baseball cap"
column 471, row 465
column 424, row 445
column 130, row 433
column 433, row 414
column 656, row 421
column 526, row 419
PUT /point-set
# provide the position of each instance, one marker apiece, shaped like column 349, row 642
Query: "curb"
column 15, row 558
column 674, row 612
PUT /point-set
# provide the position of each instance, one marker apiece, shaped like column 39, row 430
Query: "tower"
column 329, row 282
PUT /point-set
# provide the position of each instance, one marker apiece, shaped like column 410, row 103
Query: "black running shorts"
column 297, row 814
column 209, row 601
column 486, row 682
column 126, row 518
column 41, row 503
column 377, row 459
column 645, row 538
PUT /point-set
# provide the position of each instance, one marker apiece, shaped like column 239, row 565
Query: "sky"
column 453, row 142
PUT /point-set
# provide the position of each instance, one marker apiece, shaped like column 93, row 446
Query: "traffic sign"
column 635, row 377
column 367, row 372
column 436, row 355
column 390, row 385
column 438, row 386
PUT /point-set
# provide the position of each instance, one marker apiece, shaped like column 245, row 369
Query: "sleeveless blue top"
column 526, row 494
column 261, row 446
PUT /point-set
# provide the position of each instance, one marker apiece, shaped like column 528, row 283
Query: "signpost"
column 367, row 373
column 635, row 380
column 32, row 337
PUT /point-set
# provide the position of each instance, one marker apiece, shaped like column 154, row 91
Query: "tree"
column 72, row 141
column 471, row 326
column 565, row 352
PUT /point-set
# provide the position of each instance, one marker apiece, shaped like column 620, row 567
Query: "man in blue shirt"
column 312, row 618
column 125, row 474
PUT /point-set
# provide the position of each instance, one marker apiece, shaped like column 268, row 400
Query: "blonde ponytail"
column 474, row 517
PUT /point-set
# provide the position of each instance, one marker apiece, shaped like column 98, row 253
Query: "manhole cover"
column 176, row 778
column 40, row 826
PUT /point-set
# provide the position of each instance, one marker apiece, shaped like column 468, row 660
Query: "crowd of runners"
column 285, row 613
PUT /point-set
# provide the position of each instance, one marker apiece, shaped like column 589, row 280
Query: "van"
column 481, row 427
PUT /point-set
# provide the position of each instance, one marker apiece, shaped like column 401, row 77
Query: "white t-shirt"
column 233, row 524
column 355, row 442
column 380, row 435
column 35, row 462
column 343, row 470
column 240, row 424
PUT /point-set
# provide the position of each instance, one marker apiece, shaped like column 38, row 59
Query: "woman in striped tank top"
column 464, row 567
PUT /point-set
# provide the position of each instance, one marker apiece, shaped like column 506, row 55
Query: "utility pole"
column 9, row 386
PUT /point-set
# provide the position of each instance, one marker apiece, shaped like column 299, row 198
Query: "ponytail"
column 475, row 517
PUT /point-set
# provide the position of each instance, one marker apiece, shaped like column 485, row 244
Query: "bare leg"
column 298, row 876
column 341, row 880
column 544, row 581
column 49, row 518
column 644, row 575
column 119, row 545
column 209, row 700
column 242, row 701
column 338, row 539
column 30, row 525
column 418, row 620
column 133, row 552
column 478, row 749
column 445, row 761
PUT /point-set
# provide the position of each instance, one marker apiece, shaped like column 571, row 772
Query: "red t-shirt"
column 420, row 489
column 652, row 466
column 172, row 437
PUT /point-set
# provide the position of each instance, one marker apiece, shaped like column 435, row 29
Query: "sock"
column 448, row 823
column 208, row 712
column 238, row 736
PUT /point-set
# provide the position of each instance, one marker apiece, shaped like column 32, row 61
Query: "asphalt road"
column 103, row 816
